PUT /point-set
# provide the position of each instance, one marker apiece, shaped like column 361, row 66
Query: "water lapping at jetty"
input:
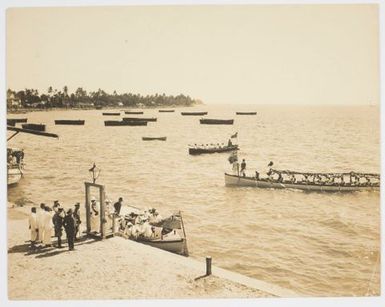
column 314, row 243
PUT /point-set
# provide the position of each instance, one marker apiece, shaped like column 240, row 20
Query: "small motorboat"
column 193, row 113
column 163, row 138
column 205, row 121
column 124, row 123
column 69, row 122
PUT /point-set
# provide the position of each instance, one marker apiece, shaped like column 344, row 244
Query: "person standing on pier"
column 118, row 206
column 33, row 226
column 58, row 225
column 76, row 216
column 48, row 227
column 69, row 226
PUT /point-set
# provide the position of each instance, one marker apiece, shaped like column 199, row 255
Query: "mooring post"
column 208, row 265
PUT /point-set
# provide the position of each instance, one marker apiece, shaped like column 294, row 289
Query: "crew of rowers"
column 141, row 224
column 355, row 179
column 15, row 156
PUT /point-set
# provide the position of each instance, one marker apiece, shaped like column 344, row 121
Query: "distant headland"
column 81, row 99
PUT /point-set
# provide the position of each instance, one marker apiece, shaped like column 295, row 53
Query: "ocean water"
column 317, row 244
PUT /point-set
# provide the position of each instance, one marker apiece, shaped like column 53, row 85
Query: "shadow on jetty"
column 49, row 251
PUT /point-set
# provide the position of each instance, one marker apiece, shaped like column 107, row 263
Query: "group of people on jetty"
column 46, row 221
column 290, row 177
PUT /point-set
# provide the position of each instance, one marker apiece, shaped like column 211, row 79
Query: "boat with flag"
column 197, row 149
column 307, row 181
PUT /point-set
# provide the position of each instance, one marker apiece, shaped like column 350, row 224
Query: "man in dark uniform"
column 118, row 205
column 69, row 226
column 243, row 167
column 58, row 225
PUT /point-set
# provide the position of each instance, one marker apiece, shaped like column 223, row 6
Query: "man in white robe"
column 40, row 225
column 48, row 227
column 33, row 226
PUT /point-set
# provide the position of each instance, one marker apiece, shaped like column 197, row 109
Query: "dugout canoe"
column 162, row 138
column 206, row 121
column 246, row 113
column 77, row 122
column 166, row 111
column 124, row 123
column 209, row 150
column 133, row 112
column 35, row 127
column 235, row 180
column 111, row 113
column 148, row 119
column 193, row 113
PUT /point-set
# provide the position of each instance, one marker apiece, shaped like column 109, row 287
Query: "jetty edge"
column 105, row 259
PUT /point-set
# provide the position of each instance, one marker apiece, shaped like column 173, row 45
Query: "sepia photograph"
column 192, row 151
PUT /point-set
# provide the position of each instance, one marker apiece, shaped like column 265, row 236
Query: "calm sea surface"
column 314, row 243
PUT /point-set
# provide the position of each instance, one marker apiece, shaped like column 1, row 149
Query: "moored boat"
column 69, row 122
column 207, row 121
column 246, row 113
column 247, row 181
column 35, row 127
column 197, row 150
column 133, row 112
column 166, row 111
column 124, row 123
column 162, row 138
column 111, row 113
column 193, row 113
column 148, row 119
column 14, row 121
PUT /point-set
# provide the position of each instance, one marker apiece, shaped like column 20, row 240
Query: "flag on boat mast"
column 234, row 135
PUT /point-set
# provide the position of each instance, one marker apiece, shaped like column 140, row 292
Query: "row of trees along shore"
column 31, row 98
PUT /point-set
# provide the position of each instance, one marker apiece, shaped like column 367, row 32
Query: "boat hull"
column 193, row 113
column 199, row 151
column 13, row 176
column 124, row 123
column 216, row 121
column 174, row 246
column 111, row 114
column 166, row 111
column 35, row 127
column 246, row 113
column 138, row 119
column 154, row 139
column 234, row 180
column 69, row 122
column 133, row 112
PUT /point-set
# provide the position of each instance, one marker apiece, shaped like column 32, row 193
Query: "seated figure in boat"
column 342, row 180
column 229, row 143
column 280, row 178
column 293, row 179
column 256, row 175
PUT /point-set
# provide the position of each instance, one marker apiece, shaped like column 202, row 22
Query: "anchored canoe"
column 204, row 150
column 235, row 180
column 246, row 113
column 166, row 111
column 111, row 113
column 35, row 127
column 193, row 113
column 69, row 122
column 124, row 123
column 163, row 138
column 152, row 119
column 205, row 121
column 133, row 112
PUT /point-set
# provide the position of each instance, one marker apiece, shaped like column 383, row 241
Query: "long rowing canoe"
column 246, row 113
column 148, row 119
column 193, row 113
column 111, row 113
column 133, row 112
column 205, row 121
column 235, row 180
column 78, row 122
column 203, row 150
column 124, row 123
column 166, row 111
column 162, row 138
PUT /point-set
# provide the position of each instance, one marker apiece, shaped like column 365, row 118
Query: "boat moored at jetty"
column 308, row 181
column 193, row 113
column 111, row 113
column 162, row 138
column 206, row 121
column 35, row 127
column 148, row 119
column 69, row 122
column 124, row 123
column 246, row 113
column 211, row 148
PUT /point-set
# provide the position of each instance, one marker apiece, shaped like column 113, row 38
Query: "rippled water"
column 315, row 243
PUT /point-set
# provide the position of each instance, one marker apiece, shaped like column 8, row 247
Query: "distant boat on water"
column 124, row 123
column 166, row 111
column 35, row 127
column 133, row 112
column 69, row 122
column 14, row 121
column 111, row 113
column 246, row 113
column 207, row 121
column 197, row 150
column 152, row 119
column 193, row 113
column 162, row 138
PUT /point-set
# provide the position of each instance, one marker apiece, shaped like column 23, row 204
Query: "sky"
column 244, row 54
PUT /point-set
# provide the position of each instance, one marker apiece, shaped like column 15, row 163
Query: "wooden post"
column 208, row 265
column 102, row 212
column 87, row 204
